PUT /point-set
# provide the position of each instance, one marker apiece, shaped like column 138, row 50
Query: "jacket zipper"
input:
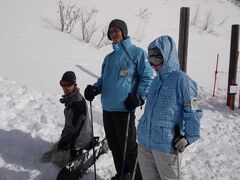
column 155, row 103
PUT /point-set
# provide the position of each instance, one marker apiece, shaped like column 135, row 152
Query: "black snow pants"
column 115, row 124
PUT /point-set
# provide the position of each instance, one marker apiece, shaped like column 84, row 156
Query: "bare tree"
column 195, row 16
column 61, row 8
column 208, row 23
column 88, row 26
column 68, row 16
column 143, row 13
column 222, row 22
column 104, row 40
column 236, row 2
column 72, row 17
column 90, row 30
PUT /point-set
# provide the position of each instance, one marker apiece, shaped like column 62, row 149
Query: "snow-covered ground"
column 34, row 55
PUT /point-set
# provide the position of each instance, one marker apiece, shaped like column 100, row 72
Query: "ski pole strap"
column 136, row 74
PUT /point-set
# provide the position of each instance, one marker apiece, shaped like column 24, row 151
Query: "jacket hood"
column 168, row 49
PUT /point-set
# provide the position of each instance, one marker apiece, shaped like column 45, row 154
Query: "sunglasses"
column 66, row 83
column 114, row 31
column 155, row 60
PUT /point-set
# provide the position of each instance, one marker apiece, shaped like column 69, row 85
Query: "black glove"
column 62, row 145
column 179, row 142
column 133, row 101
column 90, row 92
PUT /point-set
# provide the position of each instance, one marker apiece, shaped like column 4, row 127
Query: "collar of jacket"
column 126, row 42
column 162, row 76
column 165, row 73
column 67, row 98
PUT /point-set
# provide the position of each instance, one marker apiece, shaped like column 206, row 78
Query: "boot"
column 114, row 177
column 127, row 176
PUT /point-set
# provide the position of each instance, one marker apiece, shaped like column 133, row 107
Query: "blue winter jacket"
column 169, row 103
column 125, row 70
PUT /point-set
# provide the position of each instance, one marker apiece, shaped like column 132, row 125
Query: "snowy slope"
column 34, row 54
column 31, row 122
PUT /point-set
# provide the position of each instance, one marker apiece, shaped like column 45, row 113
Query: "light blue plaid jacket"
column 169, row 103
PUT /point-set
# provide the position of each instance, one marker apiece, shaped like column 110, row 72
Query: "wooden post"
column 239, row 100
column 183, row 37
column 232, row 74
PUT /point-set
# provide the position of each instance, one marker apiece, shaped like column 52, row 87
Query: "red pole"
column 215, row 78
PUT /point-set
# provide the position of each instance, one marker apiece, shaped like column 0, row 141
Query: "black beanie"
column 69, row 76
column 119, row 24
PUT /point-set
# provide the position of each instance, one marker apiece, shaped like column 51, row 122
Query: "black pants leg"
column 115, row 124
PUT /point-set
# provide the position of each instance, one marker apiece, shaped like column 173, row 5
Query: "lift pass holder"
column 124, row 72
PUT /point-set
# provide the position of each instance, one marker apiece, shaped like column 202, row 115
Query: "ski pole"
column 87, row 71
column 178, row 164
column 135, row 169
column 125, row 146
column 177, row 134
column 94, row 153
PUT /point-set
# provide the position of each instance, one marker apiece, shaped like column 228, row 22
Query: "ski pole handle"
column 177, row 130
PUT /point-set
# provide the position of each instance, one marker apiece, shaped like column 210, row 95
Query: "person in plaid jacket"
column 172, row 102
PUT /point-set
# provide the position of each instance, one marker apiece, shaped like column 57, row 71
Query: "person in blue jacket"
column 124, row 84
column 171, row 119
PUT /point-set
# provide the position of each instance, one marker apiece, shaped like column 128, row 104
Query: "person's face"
column 156, row 62
column 115, row 34
column 67, row 86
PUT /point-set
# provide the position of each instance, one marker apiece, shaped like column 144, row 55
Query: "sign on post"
column 233, row 89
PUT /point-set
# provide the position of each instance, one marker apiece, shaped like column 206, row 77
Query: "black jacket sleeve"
column 78, row 108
